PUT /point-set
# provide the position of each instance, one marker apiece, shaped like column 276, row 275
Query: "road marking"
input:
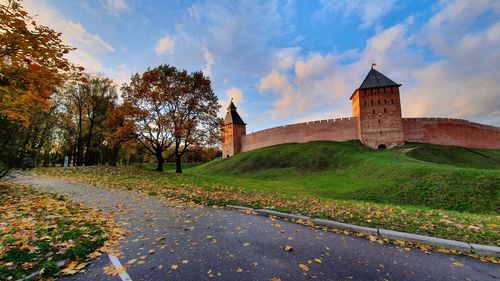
column 116, row 263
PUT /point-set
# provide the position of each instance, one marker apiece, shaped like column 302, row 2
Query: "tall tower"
column 232, row 131
column 377, row 107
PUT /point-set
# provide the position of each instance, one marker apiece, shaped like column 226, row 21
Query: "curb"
column 280, row 214
column 341, row 225
column 234, row 207
column 481, row 250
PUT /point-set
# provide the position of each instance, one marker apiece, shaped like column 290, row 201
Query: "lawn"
column 346, row 182
column 39, row 230
column 428, row 176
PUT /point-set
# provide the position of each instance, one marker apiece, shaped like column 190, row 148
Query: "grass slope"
column 429, row 175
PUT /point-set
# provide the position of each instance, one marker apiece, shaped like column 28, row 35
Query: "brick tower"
column 377, row 107
column 232, row 131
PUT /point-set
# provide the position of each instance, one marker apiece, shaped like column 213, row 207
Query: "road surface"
column 205, row 243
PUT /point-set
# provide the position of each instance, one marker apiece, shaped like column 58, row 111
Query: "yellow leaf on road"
column 304, row 267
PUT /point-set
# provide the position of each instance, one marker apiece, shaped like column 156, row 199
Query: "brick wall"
column 446, row 131
column 340, row 129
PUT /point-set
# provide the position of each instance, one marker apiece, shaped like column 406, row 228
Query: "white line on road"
column 116, row 263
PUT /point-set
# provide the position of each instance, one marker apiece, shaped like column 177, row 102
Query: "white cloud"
column 115, row 6
column 236, row 95
column 88, row 45
column 76, row 33
column 72, row 33
column 165, row 45
column 463, row 82
column 209, row 61
column 316, row 80
column 460, row 83
column 368, row 11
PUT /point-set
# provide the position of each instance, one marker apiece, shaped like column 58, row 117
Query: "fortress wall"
column 447, row 131
column 339, row 129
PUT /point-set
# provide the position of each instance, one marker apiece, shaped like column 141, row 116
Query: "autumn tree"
column 172, row 111
column 87, row 103
column 193, row 114
column 32, row 66
column 119, row 130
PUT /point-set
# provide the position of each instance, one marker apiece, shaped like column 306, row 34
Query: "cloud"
column 209, row 61
column 89, row 45
column 165, row 45
column 77, row 34
column 72, row 33
column 238, row 31
column 367, row 11
column 115, row 6
column 236, row 95
column 460, row 82
column 318, row 80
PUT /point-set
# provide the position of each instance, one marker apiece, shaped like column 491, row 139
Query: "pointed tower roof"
column 232, row 117
column 375, row 79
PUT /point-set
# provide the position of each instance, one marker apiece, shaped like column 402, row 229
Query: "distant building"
column 377, row 122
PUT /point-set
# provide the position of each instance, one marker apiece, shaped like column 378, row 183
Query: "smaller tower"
column 232, row 131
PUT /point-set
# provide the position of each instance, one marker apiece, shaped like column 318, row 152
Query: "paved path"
column 218, row 244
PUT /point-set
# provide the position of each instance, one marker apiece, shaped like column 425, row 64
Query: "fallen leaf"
column 303, row 267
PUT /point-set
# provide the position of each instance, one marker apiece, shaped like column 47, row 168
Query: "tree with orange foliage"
column 32, row 66
column 120, row 130
column 172, row 111
column 32, row 63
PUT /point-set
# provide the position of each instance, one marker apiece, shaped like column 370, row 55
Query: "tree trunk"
column 88, row 153
column 178, row 167
column 159, row 157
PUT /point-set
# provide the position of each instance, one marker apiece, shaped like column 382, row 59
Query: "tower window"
column 392, row 100
column 374, row 111
column 385, row 110
column 378, row 101
column 365, row 102
column 372, row 102
column 379, row 121
column 385, row 101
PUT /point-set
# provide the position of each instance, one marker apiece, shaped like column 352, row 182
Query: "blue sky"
column 293, row 61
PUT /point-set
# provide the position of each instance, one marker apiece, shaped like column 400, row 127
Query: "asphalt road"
column 205, row 243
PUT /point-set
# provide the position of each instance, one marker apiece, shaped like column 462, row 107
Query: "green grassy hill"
column 414, row 174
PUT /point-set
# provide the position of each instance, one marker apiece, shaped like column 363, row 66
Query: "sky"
column 292, row 61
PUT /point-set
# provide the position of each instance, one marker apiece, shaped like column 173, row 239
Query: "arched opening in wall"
column 381, row 147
